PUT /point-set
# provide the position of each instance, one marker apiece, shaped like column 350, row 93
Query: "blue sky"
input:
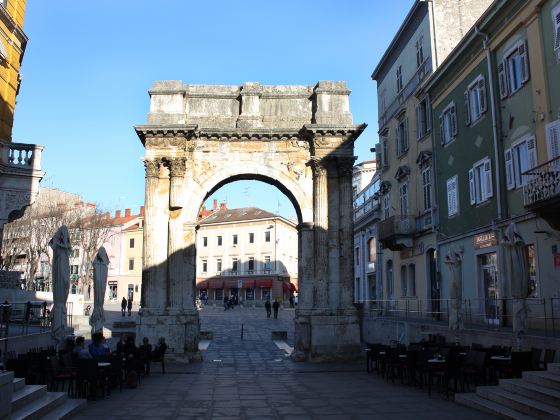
column 88, row 67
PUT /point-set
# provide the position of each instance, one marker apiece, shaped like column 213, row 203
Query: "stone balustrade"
column 21, row 155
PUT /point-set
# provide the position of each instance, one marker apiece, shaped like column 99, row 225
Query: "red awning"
column 215, row 284
column 293, row 286
column 230, row 284
column 248, row 284
column 202, row 284
column 289, row 287
column 263, row 283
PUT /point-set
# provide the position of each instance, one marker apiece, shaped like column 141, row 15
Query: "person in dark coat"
column 267, row 306
column 129, row 305
column 275, row 306
column 123, row 306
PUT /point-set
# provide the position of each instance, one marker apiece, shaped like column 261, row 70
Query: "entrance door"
column 113, row 286
column 130, row 292
column 490, row 285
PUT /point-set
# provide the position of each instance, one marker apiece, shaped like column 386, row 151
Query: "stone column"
column 321, row 225
column 148, row 275
column 177, row 168
column 346, row 224
column 189, row 276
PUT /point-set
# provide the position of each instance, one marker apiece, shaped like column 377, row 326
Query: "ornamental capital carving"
column 318, row 166
column 177, row 167
column 152, row 167
column 346, row 165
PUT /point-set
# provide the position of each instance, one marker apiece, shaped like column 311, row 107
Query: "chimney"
column 223, row 206
column 117, row 214
column 126, row 212
column 141, row 210
column 215, row 204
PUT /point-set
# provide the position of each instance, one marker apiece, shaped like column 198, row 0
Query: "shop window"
column 266, row 293
column 218, row 295
column 249, row 294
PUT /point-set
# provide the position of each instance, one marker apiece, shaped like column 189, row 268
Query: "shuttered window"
column 402, row 135
column 423, row 118
column 448, row 124
column 513, row 70
column 556, row 26
column 520, row 158
column 553, row 139
column 480, row 182
column 452, row 196
column 475, row 100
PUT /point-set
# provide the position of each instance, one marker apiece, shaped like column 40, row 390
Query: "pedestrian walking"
column 276, row 306
column 267, row 306
column 123, row 306
column 226, row 303
column 129, row 305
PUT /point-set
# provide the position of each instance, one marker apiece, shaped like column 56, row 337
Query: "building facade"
column 249, row 253
column 406, row 231
column 20, row 164
column 497, row 147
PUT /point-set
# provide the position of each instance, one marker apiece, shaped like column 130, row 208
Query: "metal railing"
column 542, row 182
column 543, row 314
column 402, row 224
column 28, row 317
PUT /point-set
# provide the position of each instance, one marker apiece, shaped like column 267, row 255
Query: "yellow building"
column 12, row 47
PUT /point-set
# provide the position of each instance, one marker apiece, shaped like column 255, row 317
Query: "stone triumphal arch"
column 299, row 138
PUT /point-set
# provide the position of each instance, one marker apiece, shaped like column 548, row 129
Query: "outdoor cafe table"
column 501, row 358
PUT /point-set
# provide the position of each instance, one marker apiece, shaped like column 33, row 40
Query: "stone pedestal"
column 6, row 390
column 335, row 337
column 180, row 328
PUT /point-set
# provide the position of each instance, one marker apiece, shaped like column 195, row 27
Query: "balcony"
column 396, row 232
column 541, row 192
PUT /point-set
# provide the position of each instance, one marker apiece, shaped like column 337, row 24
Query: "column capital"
column 318, row 166
column 152, row 167
column 177, row 167
column 346, row 165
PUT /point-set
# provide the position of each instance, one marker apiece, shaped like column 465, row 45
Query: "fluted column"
column 306, row 266
column 345, row 166
column 189, row 277
column 321, row 225
column 177, row 168
column 148, row 269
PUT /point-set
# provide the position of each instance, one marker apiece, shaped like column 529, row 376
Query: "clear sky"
column 88, row 67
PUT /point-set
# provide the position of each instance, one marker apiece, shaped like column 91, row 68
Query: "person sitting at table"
column 97, row 349
column 144, row 352
column 159, row 351
column 121, row 345
column 80, row 351
column 129, row 347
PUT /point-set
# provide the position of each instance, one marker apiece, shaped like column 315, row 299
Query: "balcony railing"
column 399, row 225
column 542, row 183
column 21, row 155
column 362, row 210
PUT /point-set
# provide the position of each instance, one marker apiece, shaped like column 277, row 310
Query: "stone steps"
column 34, row 402
column 535, row 395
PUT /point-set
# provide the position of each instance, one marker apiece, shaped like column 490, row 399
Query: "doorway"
column 435, row 292
column 489, row 279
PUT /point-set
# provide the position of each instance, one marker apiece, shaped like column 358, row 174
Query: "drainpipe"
column 494, row 119
column 365, row 260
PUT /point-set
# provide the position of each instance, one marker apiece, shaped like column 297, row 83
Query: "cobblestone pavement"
column 251, row 378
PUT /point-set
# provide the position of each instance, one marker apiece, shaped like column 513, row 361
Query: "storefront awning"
column 202, row 284
column 215, row 284
column 263, row 283
column 248, row 284
column 230, row 284
column 289, row 287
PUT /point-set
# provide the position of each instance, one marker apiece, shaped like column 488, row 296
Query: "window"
column 475, row 100
column 267, row 264
column 372, row 250
column 251, row 264
column 556, row 26
column 251, row 238
column 267, row 236
column 219, row 241
column 131, row 264
column 521, row 157
column 204, row 266
column 234, row 265
column 553, row 139
column 75, row 253
column 404, row 281
column 423, row 118
column 386, row 206
column 448, row 124
column 204, row 241
column 218, row 295
column 513, row 71
column 452, row 196
column 402, row 135
column 357, row 256
column 234, row 239
column 219, row 265
column 399, row 79
column 249, row 294
column 480, row 181
column 403, row 198
column 383, row 100
column 427, row 188
column 74, row 270
column 411, row 280
column 265, row 293
column 419, row 51
column 385, row 152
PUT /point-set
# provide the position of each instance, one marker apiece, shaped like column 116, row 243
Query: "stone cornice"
column 147, row 131
column 333, row 130
column 10, row 170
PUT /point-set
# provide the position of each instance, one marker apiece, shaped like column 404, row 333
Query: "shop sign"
column 485, row 240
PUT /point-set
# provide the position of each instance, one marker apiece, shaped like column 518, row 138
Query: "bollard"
column 242, row 331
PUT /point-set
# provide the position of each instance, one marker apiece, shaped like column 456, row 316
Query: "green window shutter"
column 467, row 108
column 522, row 49
column 502, row 79
column 453, row 120
column 472, row 188
column 441, row 134
column 488, row 179
column 532, row 152
column 482, row 94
